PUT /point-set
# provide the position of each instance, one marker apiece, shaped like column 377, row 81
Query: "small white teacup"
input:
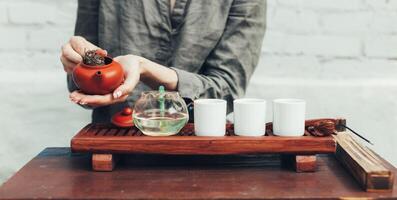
column 289, row 117
column 249, row 117
column 210, row 117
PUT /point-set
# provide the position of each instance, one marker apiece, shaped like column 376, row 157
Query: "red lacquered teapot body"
column 98, row 80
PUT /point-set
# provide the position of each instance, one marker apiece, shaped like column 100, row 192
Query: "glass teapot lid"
column 161, row 100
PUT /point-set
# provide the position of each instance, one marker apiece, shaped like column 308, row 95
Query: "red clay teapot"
column 98, row 74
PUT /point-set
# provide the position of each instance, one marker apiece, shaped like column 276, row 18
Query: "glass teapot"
column 160, row 113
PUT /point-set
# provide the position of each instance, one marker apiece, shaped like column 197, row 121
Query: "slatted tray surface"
column 107, row 138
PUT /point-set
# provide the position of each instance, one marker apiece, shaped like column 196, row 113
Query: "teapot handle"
column 190, row 108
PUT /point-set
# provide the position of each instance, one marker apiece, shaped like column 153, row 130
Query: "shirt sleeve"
column 226, row 72
column 87, row 27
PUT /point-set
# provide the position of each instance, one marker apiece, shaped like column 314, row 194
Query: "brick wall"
column 341, row 56
column 36, row 112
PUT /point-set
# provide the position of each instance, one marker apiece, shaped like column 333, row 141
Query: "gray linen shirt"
column 213, row 45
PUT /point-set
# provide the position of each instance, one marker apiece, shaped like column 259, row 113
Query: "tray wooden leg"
column 300, row 163
column 103, row 162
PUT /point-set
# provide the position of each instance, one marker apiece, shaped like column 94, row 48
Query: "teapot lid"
column 123, row 118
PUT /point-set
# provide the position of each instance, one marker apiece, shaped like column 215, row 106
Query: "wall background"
column 341, row 56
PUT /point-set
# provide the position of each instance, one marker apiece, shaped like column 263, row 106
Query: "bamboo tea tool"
column 371, row 172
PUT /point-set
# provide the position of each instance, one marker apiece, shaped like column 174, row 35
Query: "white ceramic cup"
column 289, row 117
column 249, row 117
column 210, row 117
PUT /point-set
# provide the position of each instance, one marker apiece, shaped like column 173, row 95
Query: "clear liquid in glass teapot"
column 160, row 113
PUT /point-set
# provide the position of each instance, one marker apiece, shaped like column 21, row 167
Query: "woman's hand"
column 132, row 71
column 136, row 69
column 72, row 52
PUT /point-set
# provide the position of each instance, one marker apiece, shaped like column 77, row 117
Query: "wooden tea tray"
column 105, row 140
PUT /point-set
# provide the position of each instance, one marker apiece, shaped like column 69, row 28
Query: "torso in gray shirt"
column 213, row 45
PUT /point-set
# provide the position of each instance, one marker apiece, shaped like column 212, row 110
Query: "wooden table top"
column 56, row 173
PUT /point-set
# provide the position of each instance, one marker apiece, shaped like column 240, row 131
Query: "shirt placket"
column 164, row 51
column 171, row 23
column 178, row 14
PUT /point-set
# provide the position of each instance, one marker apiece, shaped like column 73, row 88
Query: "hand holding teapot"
column 126, row 67
column 134, row 67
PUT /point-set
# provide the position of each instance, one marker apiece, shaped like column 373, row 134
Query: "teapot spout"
column 98, row 74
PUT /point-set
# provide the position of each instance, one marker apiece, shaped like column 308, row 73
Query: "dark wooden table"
column 56, row 173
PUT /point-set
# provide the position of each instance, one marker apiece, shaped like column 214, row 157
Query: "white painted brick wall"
column 349, row 23
column 315, row 45
column 3, row 13
column 339, row 55
column 31, row 13
column 13, row 38
column 48, row 39
column 381, row 47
